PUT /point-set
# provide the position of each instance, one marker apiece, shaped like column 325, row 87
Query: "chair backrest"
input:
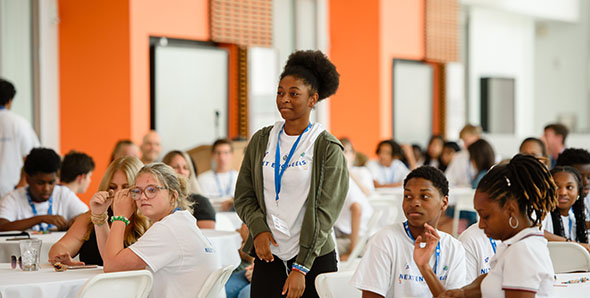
column 223, row 223
column 569, row 257
column 136, row 284
column 352, row 261
column 214, row 286
column 336, row 285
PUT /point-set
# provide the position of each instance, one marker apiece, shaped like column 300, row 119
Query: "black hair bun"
column 315, row 69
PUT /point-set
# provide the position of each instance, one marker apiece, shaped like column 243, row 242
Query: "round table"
column 226, row 244
column 45, row 283
column 10, row 248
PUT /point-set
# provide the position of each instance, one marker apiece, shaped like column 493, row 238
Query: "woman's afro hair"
column 314, row 68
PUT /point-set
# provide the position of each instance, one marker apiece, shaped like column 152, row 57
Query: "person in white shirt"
column 512, row 199
column 479, row 249
column 219, row 183
column 150, row 147
column 356, row 212
column 567, row 221
column 388, row 170
column 397, row 263
column 17, row 138
column 579, row 159
column 76, row 171
column 42, row 205
column 460, row 171
column 434, row 151
column 174, row 249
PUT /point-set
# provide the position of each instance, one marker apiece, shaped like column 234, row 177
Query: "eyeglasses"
column 14, row 261
column 150, row 191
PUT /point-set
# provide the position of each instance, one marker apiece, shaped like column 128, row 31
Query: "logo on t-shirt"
column 209, row 250
column 407, row 266
column 486, row 260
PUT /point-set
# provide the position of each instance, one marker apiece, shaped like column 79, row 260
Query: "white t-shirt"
column 178, row 254
column 388, row 268
column 479, row 250
column 587, row 207
column 521, row 263
column 217, row 186
column 396, row 172
column 460, row 172
column 17, row 138
column 286, row 214
column 354, row 195
column 364, row 176
column 569, row 225
column 15, row 205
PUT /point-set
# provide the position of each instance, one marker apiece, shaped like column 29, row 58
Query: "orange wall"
column 104, row 68
column 364, row 40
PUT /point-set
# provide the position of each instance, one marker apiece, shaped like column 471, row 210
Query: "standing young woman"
column 292, row 185
column 512, row 199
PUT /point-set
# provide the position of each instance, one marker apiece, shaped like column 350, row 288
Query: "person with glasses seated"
column 81, row 237
column 174, row 249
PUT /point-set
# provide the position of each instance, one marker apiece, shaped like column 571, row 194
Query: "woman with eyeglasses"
column 173, row 248
column 81, row 238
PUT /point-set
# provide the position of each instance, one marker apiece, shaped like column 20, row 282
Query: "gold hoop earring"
column 510, row 222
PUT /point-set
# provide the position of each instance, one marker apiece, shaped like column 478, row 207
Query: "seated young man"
column 76, row 171
column 394, row 265
column 219, row 183
column 42, row 205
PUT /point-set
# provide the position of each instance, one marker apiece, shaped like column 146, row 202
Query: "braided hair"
column 526, row 180
column 578, row 208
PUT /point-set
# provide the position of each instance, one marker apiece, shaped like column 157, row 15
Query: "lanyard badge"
column 49, row 211
column 436, row 252
column 280, row 169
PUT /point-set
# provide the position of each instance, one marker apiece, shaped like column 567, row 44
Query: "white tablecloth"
column 45, row 283
column 11, row 248
column 226, row 244
column 571, row 290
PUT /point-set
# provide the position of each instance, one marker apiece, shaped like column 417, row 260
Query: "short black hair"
column 559, row 129
column 42, row 160
column 315, row 69
column 222, row 142
column 452, row 145
column 74, row 165
column 396, row 149
column 7, row 92
column 573, row 156
column 432, row 174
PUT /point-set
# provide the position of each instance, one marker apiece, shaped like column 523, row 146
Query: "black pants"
column 268, row 279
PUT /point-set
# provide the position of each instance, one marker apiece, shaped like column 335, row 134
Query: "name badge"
column 281, row 225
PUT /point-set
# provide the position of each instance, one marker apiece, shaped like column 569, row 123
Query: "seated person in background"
column 388, row 170
column 459, row 172
column 42, row 205
column 579, row 159
column 567, row 221
column 150, row 147
column 536, row 148
column 124, row 148
column 360, row 174
column 554, row 136
column 479, row 249
column 81, row 238
column 482, row 158
column 356, row 211
column 202, row 209
column 448, row 153
column 76, row 171
column 511, row 200
column 238, row 284
column 174, row 249
column 395, row 264
column 434, row 151
column 418, row 154
column 219, row 183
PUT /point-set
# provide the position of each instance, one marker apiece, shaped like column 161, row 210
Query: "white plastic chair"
column 336, row 285
column 214, row 286
column 136, row 284
column 568, row 257
column 463, row 198
column 223, row 222
column 352, row 261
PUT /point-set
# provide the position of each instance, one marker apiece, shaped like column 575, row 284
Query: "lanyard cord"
column 280, row 169
column 49, row 211
column 219, row 188
column 436, row 252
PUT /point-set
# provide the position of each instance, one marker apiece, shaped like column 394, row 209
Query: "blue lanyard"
column 49, row 211
column 228, row 189
column 493, row 243
column 436, row 252
column 279, row 173
column 570, row 221
column 388, row 181
column 175, row 209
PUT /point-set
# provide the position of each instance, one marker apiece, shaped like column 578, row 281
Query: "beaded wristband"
column 120, row 218
column 299, row 268
column 99, row 219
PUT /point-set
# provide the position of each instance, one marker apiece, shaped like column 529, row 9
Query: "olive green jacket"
column 328, row 189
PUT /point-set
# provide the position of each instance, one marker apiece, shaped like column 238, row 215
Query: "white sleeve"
column 75, row 206
column 157, row 247
column 374, row 271
column 457, row 269
column 7, row 205
column 28, row 140
column 526, row 275
column 547, row 223
column 471, row 260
